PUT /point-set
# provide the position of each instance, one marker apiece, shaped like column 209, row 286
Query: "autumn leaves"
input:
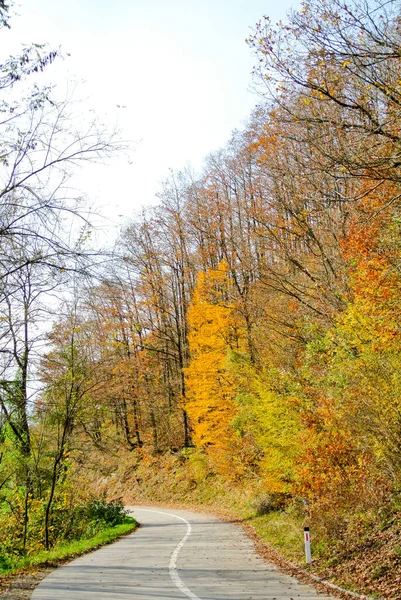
column 252, row 316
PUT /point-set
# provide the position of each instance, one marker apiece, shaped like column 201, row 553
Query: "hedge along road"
column 174, row 554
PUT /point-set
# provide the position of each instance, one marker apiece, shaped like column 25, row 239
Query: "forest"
column 245, row 329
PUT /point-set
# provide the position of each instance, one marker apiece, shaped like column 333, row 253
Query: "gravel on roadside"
column 21, row 585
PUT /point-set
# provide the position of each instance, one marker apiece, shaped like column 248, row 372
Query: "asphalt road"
column 174, row 554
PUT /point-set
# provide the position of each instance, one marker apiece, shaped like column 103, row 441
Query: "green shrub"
column 111, row 513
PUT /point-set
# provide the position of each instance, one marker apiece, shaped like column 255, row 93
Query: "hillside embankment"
column 360, row 553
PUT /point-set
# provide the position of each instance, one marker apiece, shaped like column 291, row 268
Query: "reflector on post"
column 307, row 545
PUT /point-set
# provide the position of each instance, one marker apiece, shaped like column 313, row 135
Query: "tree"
column 163, row 282
column 43, row 231
column 342, row 61
column 216, row 329
column 70, row 379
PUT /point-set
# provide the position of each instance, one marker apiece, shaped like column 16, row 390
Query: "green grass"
column 283, row 532
column 63, row 552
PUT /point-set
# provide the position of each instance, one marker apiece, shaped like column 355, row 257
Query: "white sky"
column 180, row 67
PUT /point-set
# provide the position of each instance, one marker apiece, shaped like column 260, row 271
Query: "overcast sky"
column 180, row 68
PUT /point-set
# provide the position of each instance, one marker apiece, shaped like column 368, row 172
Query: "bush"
column 275, row 502
column 4, row 563
column 111, row 513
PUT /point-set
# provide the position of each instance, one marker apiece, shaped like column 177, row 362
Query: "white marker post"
column 307, row 545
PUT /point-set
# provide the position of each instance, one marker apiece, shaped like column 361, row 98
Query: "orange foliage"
column 215, row 329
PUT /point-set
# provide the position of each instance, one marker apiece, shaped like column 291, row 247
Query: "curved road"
column 174, row 554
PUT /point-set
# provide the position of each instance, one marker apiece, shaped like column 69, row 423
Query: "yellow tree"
column 215, row 330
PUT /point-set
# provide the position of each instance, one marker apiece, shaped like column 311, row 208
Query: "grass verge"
column 283, row 532
column 59, row 554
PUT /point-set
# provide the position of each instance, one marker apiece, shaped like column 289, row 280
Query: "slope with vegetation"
column 244, row 348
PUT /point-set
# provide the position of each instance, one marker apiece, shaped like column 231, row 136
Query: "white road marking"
column 174, row 556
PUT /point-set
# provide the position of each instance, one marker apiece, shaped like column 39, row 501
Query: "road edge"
column 267, row 552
